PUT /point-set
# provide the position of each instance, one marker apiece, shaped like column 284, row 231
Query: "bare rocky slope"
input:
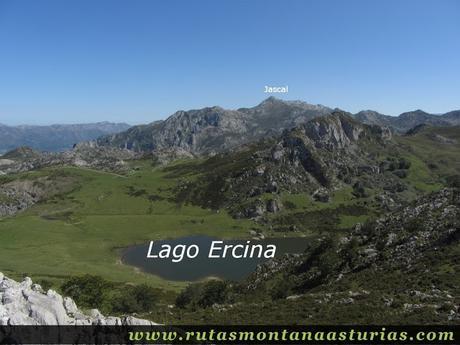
column 26, row 303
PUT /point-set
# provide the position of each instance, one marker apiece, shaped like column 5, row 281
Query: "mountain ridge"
column 214, row 129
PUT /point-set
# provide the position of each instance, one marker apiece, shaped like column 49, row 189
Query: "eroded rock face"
column 26, row 303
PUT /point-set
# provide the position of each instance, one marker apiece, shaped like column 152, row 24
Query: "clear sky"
column 139, row 61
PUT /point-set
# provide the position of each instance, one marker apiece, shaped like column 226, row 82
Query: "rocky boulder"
column 26, row 303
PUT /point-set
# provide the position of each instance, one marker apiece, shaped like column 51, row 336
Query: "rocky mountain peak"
column 270, row 101
column 337, row 130
column 415, row 113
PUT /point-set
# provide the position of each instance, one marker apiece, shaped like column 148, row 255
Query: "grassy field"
column 82, row 231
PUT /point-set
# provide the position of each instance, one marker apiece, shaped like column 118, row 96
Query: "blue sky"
column 138, row 61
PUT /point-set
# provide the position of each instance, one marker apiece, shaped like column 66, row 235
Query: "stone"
column 321, row 195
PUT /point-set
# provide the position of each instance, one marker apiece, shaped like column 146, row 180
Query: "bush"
column 202, row 295
column 145, row 296
column 140, row 298
column 45, row 284
column 359, row 191
column 88, row 291
column 280, row 288
column 289, row 205
column 404, row 163
column 185, row 297
column 214, row 291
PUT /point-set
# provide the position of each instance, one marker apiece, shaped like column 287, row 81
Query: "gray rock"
column 26, row 304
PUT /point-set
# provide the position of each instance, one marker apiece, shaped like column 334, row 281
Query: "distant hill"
column 408, row 120
column 55, row 137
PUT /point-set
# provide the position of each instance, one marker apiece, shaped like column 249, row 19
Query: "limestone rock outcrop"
column 26, row 303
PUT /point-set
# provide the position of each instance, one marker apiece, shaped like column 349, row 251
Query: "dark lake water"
column 202, row 266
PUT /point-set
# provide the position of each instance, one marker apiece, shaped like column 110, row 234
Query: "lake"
column 202, row 266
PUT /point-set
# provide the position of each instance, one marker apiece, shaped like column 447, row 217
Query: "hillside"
column 325, row 174
column 398, row 269
column 55, row 137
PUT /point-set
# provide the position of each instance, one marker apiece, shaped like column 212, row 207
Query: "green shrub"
column 140, row 298
column 214, row 291
column 289, row 205
column 202, row 295
column 404, row 163
column 88, row 291
column 280, row 288
column 359, row 191
column 187, row 295
column 45, row 284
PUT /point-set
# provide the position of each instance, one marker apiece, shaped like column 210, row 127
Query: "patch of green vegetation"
column 420, row 176
column 347, row 221
column 90, row 292
column 203, row 295
column 321, row 219
column 431, row 157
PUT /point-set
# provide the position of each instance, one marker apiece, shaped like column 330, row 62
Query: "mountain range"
column 214, row 129
column 54, row 137
column 408, row 120
column 204, row 131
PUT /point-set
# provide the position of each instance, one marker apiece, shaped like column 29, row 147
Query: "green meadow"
column 83, row 231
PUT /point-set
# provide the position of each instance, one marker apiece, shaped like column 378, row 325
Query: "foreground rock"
column 26, row 303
